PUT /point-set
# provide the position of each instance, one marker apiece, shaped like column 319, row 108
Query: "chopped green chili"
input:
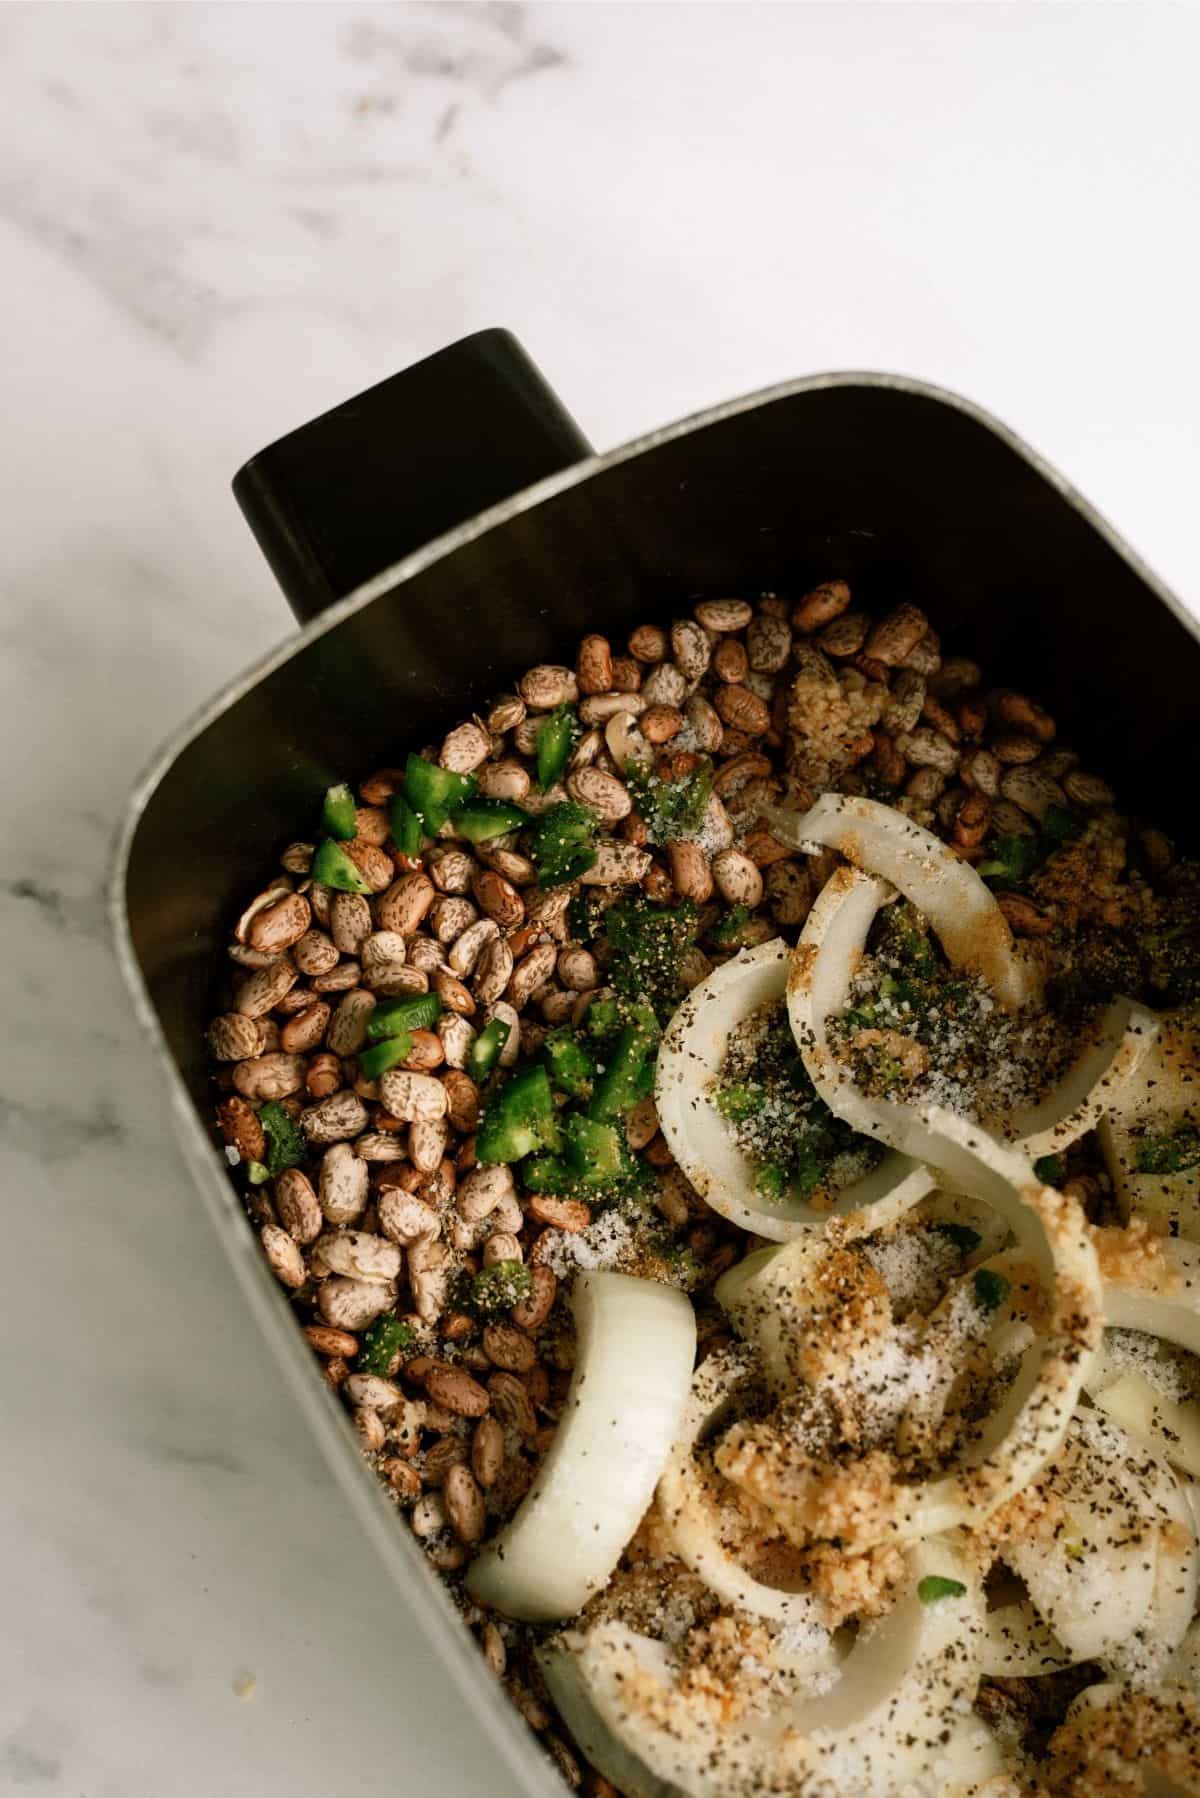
column 433, row 792
column 332, row 867
column 991, row 1289
column 498, row 1288
column 395, row 1016
column 486, row 1050
column 384, row 1055
column 936, row 1585
column 594, row 1150
column 406, row 826
column 337, row 813
column 1170, row 1153
column 285, row 1139
column 384, row 1339
column 555, row 739
column 518, row 1119
column 562, row 843
column 479, row 820
column 571, row 1068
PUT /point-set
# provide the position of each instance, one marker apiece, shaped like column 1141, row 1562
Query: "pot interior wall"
column 902, row 494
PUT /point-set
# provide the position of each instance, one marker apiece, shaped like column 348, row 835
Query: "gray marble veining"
column 214, row 222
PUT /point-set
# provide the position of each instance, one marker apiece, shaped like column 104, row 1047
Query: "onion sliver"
column 960, row 906
column 636, row 1341
column 1031, row 1420
column 886, row 1722
column 1089, row 1579
column 825, row 960
column 1169, row 1426
column 1164, row 1096
column 1112, row 1056
column 1160, row 1296
column 690, row 1059
column 688, row 1516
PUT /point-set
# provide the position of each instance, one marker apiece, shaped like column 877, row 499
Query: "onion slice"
column 1029, row 1424
column 1157, row 1291
column 959, row 905
column 690, row 1059
column 826, row 957
column 688, row 1515
column 888, row 1720
column 1163, row 1096
column 636, row 1341
column 1170, row 1426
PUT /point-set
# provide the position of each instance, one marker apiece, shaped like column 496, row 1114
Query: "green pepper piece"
column 381, row 1056
column 384, row 1339
column 257, row 1173
column 620, row 1083
column 603, row 1020
column 396, row 1016
column 568, row 1063
column 546, row 1173
column 991, row 1289
column 1171, row 1153
column 332, row 867
column 728, row 929
column 770, row 1179
column 485, row 1051
column 285, row 1139
column 561, row 843
column 406, row 826
column 1050, row 1169
column 555, row 740
column 498, row 1288
column 482, row 819
column 936, row 1585
column 961, row 1235
column 1009, row 859
column 518, row 1119
column 337, row 813
column 593, row 1150
column 433, row 792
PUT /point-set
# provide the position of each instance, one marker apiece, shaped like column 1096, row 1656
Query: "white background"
column 217, row 221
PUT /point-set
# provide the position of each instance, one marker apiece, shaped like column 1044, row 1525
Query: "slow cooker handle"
column 344, row 497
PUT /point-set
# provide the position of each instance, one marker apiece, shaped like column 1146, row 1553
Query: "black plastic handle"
column 343, row 497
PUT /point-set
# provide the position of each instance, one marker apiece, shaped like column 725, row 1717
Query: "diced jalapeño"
column 485, row 1051
column 381, row 1056
column 622, row 1082
column 594, row 1150
column 337, row 813
column 568, row 1063
column 433, row 792
column 519, row 1119
column 332, row 867
column 479, row 820
column 555, row 738
column 396, row 1016
column 406, row 826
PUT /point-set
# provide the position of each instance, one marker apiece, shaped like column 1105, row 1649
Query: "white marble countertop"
column 214, row 223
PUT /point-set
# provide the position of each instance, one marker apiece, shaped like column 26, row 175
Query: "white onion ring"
column 687, row 1516
column 960, row 906
column 1028, row 1425
column 690, row 1059
column 826, row 958
column 888, row 1720
column 636, row 1341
